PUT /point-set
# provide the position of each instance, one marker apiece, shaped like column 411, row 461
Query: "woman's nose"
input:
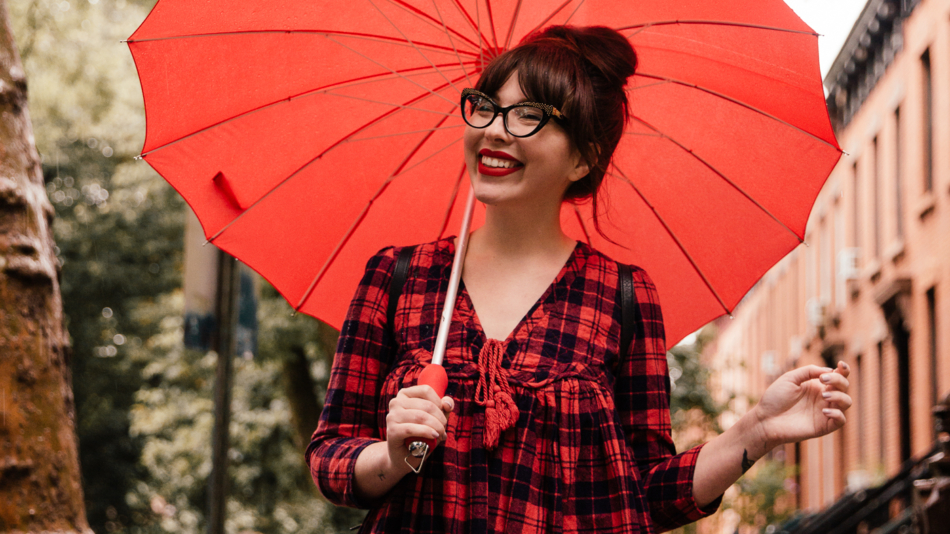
column 496, row 130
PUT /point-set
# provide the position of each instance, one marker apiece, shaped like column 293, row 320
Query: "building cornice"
column 874, row 41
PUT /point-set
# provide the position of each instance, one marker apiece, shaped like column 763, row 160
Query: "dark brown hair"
column 581, row 71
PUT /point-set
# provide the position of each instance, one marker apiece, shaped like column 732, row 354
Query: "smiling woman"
column 550, row 423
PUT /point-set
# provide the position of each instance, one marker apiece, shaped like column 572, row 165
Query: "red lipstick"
column 497, row 171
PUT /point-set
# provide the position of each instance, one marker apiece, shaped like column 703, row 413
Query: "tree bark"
column 304, row 405
column 40, row 488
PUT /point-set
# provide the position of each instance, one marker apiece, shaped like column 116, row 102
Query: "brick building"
column 872, row 287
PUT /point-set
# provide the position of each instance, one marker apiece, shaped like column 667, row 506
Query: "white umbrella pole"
column 461, row 245
column 434, row 374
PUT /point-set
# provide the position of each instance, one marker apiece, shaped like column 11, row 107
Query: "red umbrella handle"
column 434, row 376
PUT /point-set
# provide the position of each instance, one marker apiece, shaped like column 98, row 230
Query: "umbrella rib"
column 405, row 133
column 452, row 199
column 323, row 33
column 647, row 25
column 675, row 239
column 511, row 26
column 647, row 86
column 393, row 24
column 718, row 173
column 452, row 41
column 472, row 23
column 574, row 12
column 361, row 99
column 310, row 92
column 315, row 158
column 738, row 103
column 491, row 23
column 551, row 16
column 580, row 221
column 425, row 17
column 362, row 216
column 424, row 88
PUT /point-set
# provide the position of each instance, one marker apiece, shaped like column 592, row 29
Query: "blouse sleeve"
column 643, row 403
column 350, row 419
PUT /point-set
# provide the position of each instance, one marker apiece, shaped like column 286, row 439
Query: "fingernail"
column 826, row 395
column 826, row 411
column 826, row 378
column 434, row 434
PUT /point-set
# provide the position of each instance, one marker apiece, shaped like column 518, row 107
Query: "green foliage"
column 270, row 489
column 693, row 409
column 118, row 226
column 760, row 500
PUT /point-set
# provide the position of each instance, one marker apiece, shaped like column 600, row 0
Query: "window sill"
column 925, row 206
column 895, row 251
column 873, row 270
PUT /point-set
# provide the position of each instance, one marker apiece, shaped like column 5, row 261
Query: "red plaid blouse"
column 591, row 450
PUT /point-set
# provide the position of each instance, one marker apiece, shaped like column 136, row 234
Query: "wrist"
column 758, row 441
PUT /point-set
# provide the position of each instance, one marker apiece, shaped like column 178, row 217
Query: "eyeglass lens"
column 520, row 120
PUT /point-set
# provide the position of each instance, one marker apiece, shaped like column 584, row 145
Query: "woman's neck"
column 518, row 233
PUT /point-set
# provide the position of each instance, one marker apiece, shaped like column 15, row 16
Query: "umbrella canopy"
column 308, row 135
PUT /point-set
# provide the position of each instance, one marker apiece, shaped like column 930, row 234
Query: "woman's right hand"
column 415, row 412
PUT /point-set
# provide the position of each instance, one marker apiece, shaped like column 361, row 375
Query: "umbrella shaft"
column 461, row 244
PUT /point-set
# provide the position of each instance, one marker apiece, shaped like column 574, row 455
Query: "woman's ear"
column 581, row 166
column 581, row 169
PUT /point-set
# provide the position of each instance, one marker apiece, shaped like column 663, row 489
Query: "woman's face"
column 509, row 171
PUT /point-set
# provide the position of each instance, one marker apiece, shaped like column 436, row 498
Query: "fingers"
column 837, row 399
column 421, row 392
column 843, row 369
column 418, row 412
column 806, row 373
column 834, row 380
column 835, row 415
column 448, row 405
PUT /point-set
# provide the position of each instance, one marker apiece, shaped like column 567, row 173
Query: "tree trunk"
column 40, row 488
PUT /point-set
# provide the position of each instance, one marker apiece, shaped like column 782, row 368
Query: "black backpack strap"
column 400, row 273
column 627, row 312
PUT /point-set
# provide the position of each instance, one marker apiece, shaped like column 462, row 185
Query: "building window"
column 932, row 332
column 862, row 411
column 876, row 197
column 928, row 120
column 856, row 203
column 881, row 401
column 899, row 207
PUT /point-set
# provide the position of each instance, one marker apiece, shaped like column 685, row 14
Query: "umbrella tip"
column 140, row 156
column 731, row 316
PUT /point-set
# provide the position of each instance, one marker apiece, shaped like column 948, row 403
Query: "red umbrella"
column 308, row 135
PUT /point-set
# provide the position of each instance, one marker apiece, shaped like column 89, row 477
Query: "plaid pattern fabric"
column 591, row 451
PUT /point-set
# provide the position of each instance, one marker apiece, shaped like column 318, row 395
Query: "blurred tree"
column 271, row 490
column 119, row 230
column 693, row 409
column 118, row 226
column 39, row 468
column 763, row 499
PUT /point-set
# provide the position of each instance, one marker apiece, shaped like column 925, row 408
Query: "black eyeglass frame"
column 550, row 112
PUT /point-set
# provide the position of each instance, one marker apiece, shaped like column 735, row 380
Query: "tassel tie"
column 495, row 393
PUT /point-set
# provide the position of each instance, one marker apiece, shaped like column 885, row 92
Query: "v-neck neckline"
column 475, row 322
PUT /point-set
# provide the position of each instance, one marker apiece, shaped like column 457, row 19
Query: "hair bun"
column 609, row 53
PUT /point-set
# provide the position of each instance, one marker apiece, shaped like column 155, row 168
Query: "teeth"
column 498, row 163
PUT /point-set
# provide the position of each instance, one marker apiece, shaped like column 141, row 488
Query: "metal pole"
column 228, row 279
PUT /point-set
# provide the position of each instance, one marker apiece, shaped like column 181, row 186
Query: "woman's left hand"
column 804, row 403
